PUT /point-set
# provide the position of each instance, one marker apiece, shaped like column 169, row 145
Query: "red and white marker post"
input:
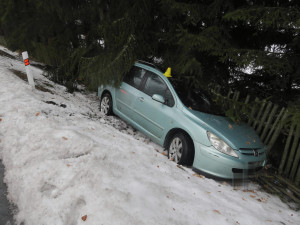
column 28, row 69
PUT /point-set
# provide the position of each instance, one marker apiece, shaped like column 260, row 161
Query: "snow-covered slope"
column 67, row 164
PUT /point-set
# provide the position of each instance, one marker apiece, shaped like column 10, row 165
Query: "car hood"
column 236, row 135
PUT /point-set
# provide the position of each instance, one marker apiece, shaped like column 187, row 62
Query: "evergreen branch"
column 108, row 68
column 125, row 48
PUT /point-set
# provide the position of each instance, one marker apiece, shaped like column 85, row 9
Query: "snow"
column 65, row 160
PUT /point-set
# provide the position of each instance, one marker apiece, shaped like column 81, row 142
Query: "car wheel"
column 180, row 149
column 106, row 104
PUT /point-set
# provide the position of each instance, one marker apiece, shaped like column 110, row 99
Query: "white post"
column 28, row 69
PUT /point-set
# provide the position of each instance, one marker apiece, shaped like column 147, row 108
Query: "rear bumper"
column 215, row 163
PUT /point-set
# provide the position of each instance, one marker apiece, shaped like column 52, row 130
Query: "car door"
column 152, row 115
column 128, row 91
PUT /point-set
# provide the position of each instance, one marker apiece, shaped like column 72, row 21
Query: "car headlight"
column 221, row 145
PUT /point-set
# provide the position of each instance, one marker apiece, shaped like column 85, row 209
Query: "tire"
column 106, row 104
column 181, row 149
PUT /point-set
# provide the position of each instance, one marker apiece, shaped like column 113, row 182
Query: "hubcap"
column 105, row 103
column 175, row 150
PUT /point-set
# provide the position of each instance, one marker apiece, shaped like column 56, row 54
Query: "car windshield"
column 196, row 99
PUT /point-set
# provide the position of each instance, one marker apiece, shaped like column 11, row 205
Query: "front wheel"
column 106, row 104
column 181, row 149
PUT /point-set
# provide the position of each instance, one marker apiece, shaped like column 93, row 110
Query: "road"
column 6, row 217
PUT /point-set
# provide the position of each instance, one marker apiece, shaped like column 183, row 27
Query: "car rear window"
column 134, row 77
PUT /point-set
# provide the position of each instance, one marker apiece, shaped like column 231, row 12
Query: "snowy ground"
column 68, row 164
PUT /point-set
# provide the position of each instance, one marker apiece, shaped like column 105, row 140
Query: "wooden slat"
column 229, row 93
column 236, row 96
column 276, row 189
column 277, row 130
column 247, row 99
column 274, row 126
column 259, row 114
column 251, row 118
column 295, row 163
column 262, row 121
column 292, row 153
column 268, row 124
column 289, row 184
column 297, row 179
column 286, row 148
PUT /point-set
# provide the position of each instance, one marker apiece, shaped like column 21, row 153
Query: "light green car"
column 185, row 122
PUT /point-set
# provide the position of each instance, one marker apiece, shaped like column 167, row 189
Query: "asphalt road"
column 6, row 216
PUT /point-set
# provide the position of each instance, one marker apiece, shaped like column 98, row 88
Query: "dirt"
column 41, row 88
column 23, row 76
column 5, row 54
column 19, row 74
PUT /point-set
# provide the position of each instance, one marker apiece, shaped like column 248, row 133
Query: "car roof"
column 149, row 66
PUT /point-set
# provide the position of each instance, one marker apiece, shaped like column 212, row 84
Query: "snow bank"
column 67, row 164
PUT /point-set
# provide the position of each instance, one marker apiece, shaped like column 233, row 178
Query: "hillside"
column 66, row 163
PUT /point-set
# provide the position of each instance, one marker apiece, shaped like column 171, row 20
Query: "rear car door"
column 152, row 115
column 128, row 91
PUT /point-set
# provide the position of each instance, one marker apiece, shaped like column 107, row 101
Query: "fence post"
column 264, row 116
column 247, row 99
column 286, row 149
column 292, row 153
column 236, row 96
column 268, row 124
column 251, row 118
column 275, row 124
column 257, row 119
column 297, row 179
column 229, row 93
column 277, row 131
column 28, row 69
column 295, row 163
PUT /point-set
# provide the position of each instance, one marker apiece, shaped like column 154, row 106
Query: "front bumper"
column 215, row 163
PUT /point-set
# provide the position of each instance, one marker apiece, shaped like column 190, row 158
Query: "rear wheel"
column 106, row 104
column 181, row 149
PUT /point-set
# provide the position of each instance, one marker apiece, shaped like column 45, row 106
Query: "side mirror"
column 158, row 98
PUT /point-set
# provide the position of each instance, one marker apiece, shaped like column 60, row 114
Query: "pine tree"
column 205, row 42
column 266, row 33
column 124, row 37
column 216, row 41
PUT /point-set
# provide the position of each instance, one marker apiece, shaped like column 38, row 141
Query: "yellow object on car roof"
column 168, row 72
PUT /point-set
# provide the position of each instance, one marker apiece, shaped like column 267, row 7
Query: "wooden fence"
column 268, row 119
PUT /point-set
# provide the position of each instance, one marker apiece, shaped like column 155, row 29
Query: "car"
column 187, row 123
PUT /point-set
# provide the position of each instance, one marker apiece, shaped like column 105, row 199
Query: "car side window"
column 134, row 76
column 169, row 98
column 155, row 85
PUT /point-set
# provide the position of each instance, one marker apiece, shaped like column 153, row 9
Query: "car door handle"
column 141, row 99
